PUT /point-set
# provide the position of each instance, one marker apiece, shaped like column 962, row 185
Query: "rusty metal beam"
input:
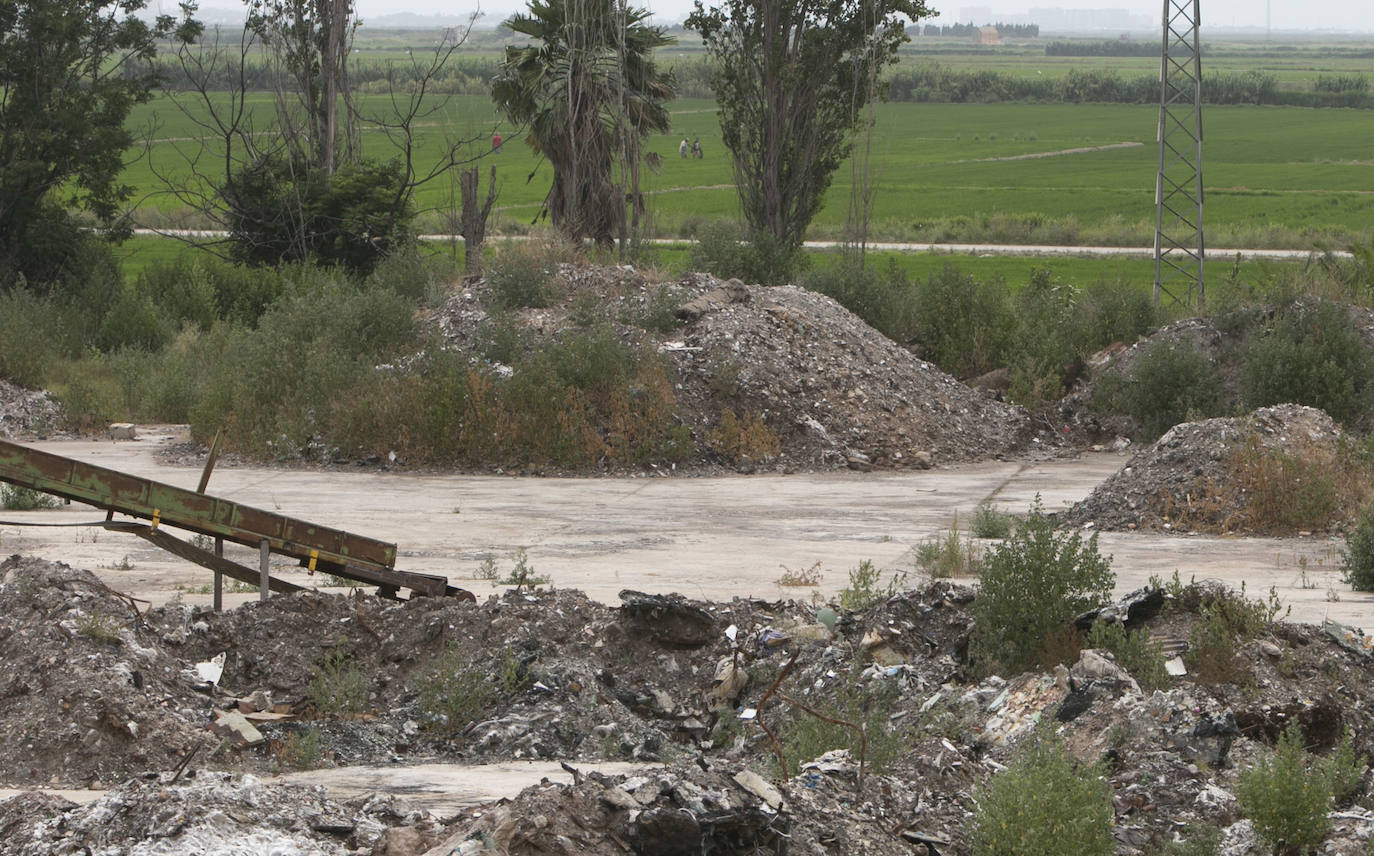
column 160, row 503
column 318, row 548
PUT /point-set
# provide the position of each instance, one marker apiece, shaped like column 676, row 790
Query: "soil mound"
column 1187, row 478
column 832, row 389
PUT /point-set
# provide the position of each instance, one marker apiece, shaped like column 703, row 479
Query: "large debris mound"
column 88, row 696
column 835, row 391
column 26, row 413
column 1187, row 474
column 683, row 686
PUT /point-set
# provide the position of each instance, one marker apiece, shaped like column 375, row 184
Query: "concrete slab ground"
column 704, row 537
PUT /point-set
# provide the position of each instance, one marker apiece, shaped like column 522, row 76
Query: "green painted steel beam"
column 329, row 549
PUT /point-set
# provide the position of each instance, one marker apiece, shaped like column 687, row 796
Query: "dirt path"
column 704, row 537
column 1079, row 150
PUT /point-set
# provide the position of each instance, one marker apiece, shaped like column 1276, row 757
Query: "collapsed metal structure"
column 318, row 548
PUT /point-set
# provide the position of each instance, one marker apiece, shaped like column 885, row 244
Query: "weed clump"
column 866, row 586
column 1031, row 584
column 338, row 687
column 1043, row 804
column 949, row 555
column 1288, row 795
column 988, row 522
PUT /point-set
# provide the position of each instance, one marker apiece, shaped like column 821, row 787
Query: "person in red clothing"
column 496, row 142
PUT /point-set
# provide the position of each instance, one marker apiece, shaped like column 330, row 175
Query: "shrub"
column 744, row 440
column 988, row 522
column 862, row 703
column 1133, row 651
column 1358, row 555
column 1174, row 382
column 453, row 690
column 722, row 252
column 1312, row 353
column 964, row 326
column 15, row 497
column 521, row 274
column 1287, row 795
column 1043, row 805
column 866, row 586
column 1030, row 584
column 281, row 211
column 29, row 336
column 338, row 687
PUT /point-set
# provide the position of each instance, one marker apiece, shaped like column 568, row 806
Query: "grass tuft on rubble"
column 1043, row 804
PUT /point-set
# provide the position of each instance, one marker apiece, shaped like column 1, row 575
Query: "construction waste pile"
column 756, row 727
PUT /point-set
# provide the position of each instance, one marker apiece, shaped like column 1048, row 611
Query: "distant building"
column 985, row 36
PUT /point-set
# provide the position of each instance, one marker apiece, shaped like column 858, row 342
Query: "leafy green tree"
column 588, row 89
column 70, row 72
column 1030, row 585
column 791, row 78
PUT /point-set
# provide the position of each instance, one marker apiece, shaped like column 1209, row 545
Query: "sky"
column 1348, row 15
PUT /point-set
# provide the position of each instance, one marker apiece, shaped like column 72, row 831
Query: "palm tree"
column 589, row 91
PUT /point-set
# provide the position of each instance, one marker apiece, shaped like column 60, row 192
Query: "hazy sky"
column 1353, row 15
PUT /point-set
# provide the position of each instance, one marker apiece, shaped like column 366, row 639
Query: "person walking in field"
column 496, row 143
column 682, row 148
column 696, row 148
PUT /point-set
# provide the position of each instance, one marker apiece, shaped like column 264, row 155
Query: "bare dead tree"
column 473, row 225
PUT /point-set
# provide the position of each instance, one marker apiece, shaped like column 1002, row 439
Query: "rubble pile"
column 180, row 710
column 836, row 392
column 26, row 413
column 1185, row 479
column 214, row 814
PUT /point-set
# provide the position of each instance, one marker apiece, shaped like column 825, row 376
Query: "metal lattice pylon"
column 1178, row 183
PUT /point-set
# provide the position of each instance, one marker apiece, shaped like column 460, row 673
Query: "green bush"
column 521, row 274
column 964, row 326
column 868, row 704
column 29, row 336
column 866, row 586
column 1030, row 585
column 1174, row 382
column 988, row 522
column 1312, row 353
column 1358, row 555
column 338, row 686
column 721, row 251
column 1288, row 796
column 952, row 554
column 453, row 690
column 281, row 211
column 1043, row 804
column 15, row 497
